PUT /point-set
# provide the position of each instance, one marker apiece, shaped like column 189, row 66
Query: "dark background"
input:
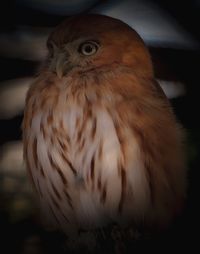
column 21, row 230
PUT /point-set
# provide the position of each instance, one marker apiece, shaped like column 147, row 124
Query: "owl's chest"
column 77, row 151
column 80, row 154
column 92, row 139
column 79, row 140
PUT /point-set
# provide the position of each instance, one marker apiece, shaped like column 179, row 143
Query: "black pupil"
column 88, row 48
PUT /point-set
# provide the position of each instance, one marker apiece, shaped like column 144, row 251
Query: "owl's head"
column 91, row 42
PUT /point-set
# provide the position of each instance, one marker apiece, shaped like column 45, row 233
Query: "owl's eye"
column 88, row 48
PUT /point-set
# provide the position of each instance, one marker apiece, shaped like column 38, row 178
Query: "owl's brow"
column 83, row 39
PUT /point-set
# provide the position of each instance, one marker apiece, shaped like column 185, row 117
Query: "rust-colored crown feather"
column 101, row 142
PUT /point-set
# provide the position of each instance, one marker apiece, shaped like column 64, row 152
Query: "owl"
column 102, row 145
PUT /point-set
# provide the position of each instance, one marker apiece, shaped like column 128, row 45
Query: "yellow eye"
column 88, row 48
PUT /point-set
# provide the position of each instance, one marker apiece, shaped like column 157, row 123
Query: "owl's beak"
column 63, row 69
column 62, row 66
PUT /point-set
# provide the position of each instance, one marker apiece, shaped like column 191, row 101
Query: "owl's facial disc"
column 74, row 54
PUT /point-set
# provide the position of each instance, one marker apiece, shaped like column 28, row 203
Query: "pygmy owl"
column 101, row 142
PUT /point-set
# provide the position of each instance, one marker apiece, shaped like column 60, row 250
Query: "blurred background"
column 171, row 31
